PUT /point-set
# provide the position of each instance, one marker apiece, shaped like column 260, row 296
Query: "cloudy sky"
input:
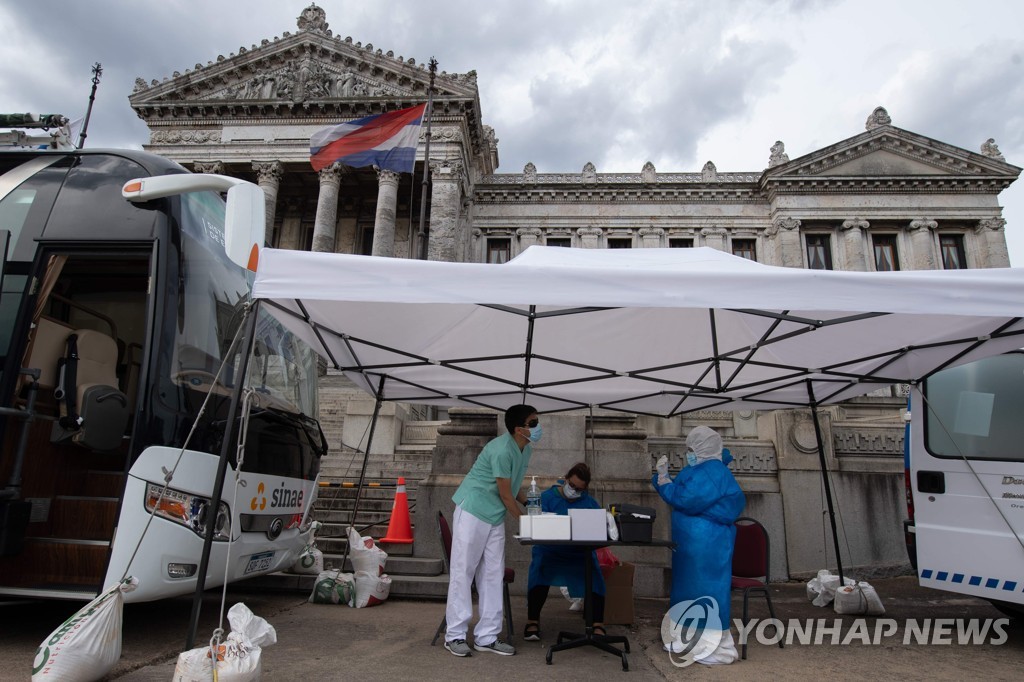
column 564, row 82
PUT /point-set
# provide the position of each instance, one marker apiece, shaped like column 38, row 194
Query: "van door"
column 967, row 476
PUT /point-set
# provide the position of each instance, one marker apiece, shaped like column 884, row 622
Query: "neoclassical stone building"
column 883, row 199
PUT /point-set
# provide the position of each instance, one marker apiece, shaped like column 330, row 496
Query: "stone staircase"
column 418, row 577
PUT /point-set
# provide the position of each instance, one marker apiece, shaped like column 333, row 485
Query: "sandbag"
column 87, row 645
column 371, row 589
column 859, row 599
column 239, row 657
column 366, row 556
column 310, row 560
column 333, row 587
column 821, row 589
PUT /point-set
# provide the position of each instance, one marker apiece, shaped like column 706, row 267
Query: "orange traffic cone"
column 400, row 527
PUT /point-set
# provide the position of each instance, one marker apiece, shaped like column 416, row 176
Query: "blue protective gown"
column 554, row 565
column 705, row 501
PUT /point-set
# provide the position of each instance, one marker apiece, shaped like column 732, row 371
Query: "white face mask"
column 571, row 493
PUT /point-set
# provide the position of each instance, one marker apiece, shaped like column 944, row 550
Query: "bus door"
column 967, row 475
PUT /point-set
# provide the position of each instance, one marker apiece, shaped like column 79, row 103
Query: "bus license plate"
column 259, row 562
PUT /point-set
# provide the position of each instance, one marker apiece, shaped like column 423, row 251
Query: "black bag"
column 636, row 523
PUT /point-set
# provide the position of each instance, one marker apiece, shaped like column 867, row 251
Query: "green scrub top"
column 478, row 494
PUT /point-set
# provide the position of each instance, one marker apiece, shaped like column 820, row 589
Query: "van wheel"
column 1009, row 608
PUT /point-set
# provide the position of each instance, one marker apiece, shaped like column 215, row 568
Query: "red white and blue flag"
column 387, row 141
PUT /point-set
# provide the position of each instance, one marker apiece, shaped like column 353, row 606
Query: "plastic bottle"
column 533, row 498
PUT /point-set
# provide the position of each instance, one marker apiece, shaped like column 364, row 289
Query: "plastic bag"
column 366, row 556
column 859, row 599
column 239, row 657
column 333, row 587
column 821, row 589
column 371, row 589
column 606, row 558
column 87, row 645
column 575, row 603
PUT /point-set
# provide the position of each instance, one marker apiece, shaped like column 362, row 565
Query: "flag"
column 387, row 141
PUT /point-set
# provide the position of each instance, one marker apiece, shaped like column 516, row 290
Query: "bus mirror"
column 245, row 224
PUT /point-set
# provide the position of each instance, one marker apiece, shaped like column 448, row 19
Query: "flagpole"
column 429, row 113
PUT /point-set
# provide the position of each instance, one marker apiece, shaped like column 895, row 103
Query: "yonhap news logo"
column 691, row 630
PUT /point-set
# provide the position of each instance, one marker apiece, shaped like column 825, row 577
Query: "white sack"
column 366, row 556
column 333, row 587
column 239, row 658
column 87, row 645
column 371, row 589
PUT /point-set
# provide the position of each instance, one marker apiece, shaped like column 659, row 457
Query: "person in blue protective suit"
column 555, row 565
column 705, row 501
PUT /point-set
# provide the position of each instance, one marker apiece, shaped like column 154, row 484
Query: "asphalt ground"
column 392, row 641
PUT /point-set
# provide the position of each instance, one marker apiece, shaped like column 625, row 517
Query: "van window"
column 975, row 410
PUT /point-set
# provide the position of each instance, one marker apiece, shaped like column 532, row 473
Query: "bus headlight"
column 188, row 510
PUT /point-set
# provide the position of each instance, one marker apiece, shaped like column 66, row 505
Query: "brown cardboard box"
column 618, row 601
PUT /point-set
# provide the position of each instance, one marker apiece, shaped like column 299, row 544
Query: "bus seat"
column 102, row 407
column 48, row 347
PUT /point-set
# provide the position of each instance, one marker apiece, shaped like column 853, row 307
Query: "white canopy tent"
column 647, row 331
column 651, row 331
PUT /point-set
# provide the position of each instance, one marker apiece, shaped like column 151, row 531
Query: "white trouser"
column 478, row 553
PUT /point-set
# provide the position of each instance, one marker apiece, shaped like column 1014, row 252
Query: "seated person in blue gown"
column 556, row 565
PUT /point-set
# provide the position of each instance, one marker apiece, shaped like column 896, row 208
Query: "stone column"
column 528, row 236
column 327, row 209
column 714, row 237
column 445, row 201
column 268, row 177
column 384, row 220
column 856, row 258
column 923, row 243
column 590, row 237
column 214, row 167
column 993, row 237
column 789, row 242
column 650, row 237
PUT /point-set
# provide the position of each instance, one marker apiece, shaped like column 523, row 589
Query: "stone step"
column 402, row 586
column 397, row 564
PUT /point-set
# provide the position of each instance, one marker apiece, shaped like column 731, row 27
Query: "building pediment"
column 888, row 151
column 309, row 68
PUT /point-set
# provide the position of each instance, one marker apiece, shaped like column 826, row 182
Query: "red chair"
column 751, row 566
column 445, row 531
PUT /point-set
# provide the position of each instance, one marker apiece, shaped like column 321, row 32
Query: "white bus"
column 115, row 318
column 965, row 481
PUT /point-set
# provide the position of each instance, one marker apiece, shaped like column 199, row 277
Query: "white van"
column 965, row 481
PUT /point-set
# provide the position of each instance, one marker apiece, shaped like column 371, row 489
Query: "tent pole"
column 230, row 438
column 825, row 480
column 366, row 457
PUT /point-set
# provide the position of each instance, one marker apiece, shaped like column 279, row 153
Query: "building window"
column 745, row 248
column 366, row 240
column 953, row 255
column 499, row 250
column 819, row 252
column 886, row 256
column 565, row 242
column 620, row 243
column 680, row 243
column 306, row 235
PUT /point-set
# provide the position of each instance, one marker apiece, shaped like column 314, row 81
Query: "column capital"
column 446, row 170
column 855, row 224
column 268, row 171
column 923, row 224
column 994, row 224
column 215, row 167
column 330, row 175
column 386, row 177
column 589, row 232
column 713, row 232
column 651, row 232
column 535, row 232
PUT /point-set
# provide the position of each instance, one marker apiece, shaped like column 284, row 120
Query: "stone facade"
column 885, row 198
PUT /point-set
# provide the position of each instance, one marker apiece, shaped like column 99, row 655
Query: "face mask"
column 571, row 493
column 535, row 433
column 691, row 459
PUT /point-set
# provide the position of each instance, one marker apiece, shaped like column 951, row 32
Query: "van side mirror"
column 245, row 224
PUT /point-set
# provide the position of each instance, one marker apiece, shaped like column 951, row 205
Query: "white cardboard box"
column 525, row 527
column 551, row 527
column 589, row 524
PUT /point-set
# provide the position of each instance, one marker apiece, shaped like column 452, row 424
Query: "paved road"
column 392, row 641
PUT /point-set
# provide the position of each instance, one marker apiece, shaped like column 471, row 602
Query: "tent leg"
column 230, row 437
column 828, row 488
column 366, row 457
